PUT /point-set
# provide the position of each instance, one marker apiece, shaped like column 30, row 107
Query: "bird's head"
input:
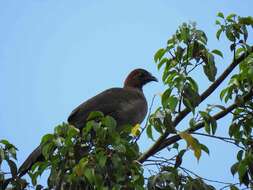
column 138, row 78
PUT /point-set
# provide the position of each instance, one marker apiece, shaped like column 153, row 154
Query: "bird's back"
column 126, row 105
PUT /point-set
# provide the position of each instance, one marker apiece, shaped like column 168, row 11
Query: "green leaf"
column 149, row 132
column 120, row 148
column 233, row 187
column 175, row 145
column 217, row 22
column 193, row 84
column 230, row 34
column 72, row 131
column 46, row 138
column 159, row 54
column 179, row 53
column 158, row 128
column 217, row 52
column 95, row 115
column 223, row 93
column 234, row 168
column 160, row 64
column 213, row 125
column 5, row 142
column 206, row 117
column 190, row 96
column 246, row 20
column 245, row 33
column 220, row 14
column 165, row 97
column 89, row 174
column 239, row 52
column 231, row 16
column 192, row 123
column 188, row 104
column 210, row 69
column 102, row 159
column 47, row 149
column 109, row 121
column 207, row 127
column 233, row 129
column 204, row 148
column 172, row 101
column 239, row 155
column 218, row 33
column 242, row 169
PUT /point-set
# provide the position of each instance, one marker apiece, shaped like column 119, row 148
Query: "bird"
column 127, row 105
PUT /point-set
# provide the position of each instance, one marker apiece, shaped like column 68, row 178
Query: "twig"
column 205, row 179
column 225, row 139
column 146, row 124
column 196, row 65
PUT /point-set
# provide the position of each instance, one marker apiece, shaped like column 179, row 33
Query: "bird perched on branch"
column 126, row 105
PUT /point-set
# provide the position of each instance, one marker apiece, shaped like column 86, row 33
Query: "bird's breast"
column 133, row 111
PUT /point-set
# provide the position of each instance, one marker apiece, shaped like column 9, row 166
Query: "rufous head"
column 138, row 78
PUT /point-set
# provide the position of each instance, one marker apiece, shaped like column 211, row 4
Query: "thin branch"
column 186, row 171
column 225, row 139
column 214, row 136
column 158, row 144
column 146, row 124
column 196, row 65
column 205, row 179
column 171, row 54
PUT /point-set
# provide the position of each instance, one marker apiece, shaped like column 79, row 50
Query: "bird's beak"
column 152, row 78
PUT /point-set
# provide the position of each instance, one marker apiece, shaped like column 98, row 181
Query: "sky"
column 55, row 54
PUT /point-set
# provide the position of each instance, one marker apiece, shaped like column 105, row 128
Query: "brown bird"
column 126, row 105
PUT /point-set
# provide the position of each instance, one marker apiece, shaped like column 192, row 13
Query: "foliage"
column 8, row 155
column 102, row 156
column 98, row 157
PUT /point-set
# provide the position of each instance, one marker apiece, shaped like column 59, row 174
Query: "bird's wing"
column 117, row 102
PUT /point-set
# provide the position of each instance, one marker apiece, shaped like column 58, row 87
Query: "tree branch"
column 162, row 142
column 214, row 85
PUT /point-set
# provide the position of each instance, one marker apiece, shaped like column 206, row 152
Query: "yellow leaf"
column 192, row 143
column 197, row 153
column 78, row 170
column 188, row 138
column 136, row 130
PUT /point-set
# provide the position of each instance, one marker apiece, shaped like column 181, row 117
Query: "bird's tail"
column 34, row 157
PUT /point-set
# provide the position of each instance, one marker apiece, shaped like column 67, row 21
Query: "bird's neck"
column 132, row 87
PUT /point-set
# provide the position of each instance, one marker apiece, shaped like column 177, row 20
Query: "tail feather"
column 34, row 157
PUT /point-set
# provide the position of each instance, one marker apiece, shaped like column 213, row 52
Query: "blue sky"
column 56, row 54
